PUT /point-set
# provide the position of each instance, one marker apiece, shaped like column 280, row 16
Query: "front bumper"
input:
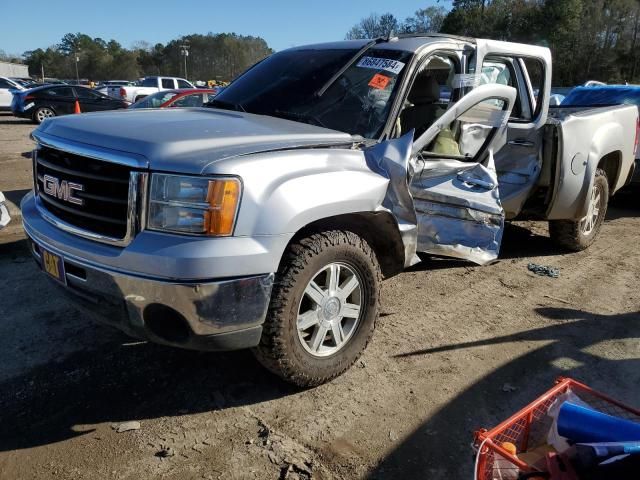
column 216, row 315
column 202, row 314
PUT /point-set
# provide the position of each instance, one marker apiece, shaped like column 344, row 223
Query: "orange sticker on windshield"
column 379, row 81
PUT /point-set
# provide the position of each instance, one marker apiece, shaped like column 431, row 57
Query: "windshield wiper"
column 351, row 61
column 303, row 117
column 227, row 105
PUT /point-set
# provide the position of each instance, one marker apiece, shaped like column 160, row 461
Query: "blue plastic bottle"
column 584, row 425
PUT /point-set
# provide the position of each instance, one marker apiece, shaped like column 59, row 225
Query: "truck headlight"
column 195, row 205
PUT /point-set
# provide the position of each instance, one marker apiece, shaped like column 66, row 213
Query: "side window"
column 5, row 84
column 150, row 82
column 535, row 70
column 183, row 83
column 86, row 94
column 502, row 71
column 60, row 92
column 189, row 101
column 430, row 94
column 167, row 83
column 469, row 132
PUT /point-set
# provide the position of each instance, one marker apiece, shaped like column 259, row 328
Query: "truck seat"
column 424, row 96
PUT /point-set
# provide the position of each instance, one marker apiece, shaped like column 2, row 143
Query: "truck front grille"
column 90, row 194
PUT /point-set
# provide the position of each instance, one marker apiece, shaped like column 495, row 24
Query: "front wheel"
column 323, row 308
column 580, row 234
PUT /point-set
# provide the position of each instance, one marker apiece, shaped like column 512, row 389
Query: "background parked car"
column 48, row 101
column 54, row 81
column 25, row 82
column 103, row 87
column 6, row 87
column 603, row 95
column 177, row 98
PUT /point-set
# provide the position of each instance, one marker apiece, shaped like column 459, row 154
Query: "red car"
column 196, row 97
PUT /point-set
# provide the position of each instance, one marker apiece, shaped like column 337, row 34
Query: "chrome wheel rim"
column 43, row 114
column 589, row 222
column 330, row 310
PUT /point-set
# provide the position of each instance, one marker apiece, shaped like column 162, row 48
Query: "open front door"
column 454, row 185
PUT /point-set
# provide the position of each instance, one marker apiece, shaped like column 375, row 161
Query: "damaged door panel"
column 443, row 187
column 458, row 210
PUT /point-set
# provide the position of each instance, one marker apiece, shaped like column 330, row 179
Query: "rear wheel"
column 580, row 234
column 42, row 113
column 323, row 308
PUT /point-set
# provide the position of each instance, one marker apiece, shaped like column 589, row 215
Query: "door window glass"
column 167, row 83
column 183, row 84
column 151, row 82
column 535, row 69
column 5, row 84
column 154, row 101
column 501, row 71
column 189, row 101
column 465, row 137
column 59, row 92
column 86, row 94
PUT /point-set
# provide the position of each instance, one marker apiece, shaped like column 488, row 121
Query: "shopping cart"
column 528, row 429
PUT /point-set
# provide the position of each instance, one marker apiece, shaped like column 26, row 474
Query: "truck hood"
column 183, row 140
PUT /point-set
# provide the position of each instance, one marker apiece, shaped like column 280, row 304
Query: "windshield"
column 286, row 85
column 154, row 100
column 594, row 96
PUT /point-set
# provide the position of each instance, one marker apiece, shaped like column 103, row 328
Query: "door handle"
column 477, row 182
column 520, row 143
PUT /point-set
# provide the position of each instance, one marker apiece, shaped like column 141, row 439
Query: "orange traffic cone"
column 76, row 109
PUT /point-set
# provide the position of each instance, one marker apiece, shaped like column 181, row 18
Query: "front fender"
column 285, row 191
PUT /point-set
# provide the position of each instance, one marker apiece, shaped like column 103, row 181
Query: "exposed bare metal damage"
column 458, row 210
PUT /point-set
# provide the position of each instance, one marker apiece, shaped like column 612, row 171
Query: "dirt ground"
column 457, row 347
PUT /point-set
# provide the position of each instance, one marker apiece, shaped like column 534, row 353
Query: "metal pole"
column 42, row 70
column 184, row 50
column 77, row 76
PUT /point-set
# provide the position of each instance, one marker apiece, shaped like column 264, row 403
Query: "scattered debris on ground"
column 126, row 426
column 544, row 270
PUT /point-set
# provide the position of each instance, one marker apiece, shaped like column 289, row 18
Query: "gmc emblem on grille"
column 62, row 189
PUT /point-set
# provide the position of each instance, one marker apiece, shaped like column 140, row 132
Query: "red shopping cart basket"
column 528, row 428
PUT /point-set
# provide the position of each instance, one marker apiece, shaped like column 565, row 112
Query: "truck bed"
column 585, row 138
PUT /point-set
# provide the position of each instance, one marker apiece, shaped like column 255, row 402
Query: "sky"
column 282, row 23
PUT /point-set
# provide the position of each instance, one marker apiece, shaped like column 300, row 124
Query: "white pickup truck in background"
column 146, row 87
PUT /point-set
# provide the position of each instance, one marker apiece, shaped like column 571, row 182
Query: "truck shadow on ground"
column 625, row 203
column 15, row 121
column 517, row 242
column 565, row 346
column 15, row 196
column 120, row 379
column 521, row 242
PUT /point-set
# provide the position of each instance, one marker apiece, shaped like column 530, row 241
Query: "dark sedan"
column 49, row 101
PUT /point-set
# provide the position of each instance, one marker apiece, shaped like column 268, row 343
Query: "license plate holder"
column 53, row 265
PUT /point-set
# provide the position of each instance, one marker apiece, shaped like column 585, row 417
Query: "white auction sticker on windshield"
column 392, row 66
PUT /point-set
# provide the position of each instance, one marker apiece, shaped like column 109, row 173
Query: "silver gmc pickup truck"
column 268, row 219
